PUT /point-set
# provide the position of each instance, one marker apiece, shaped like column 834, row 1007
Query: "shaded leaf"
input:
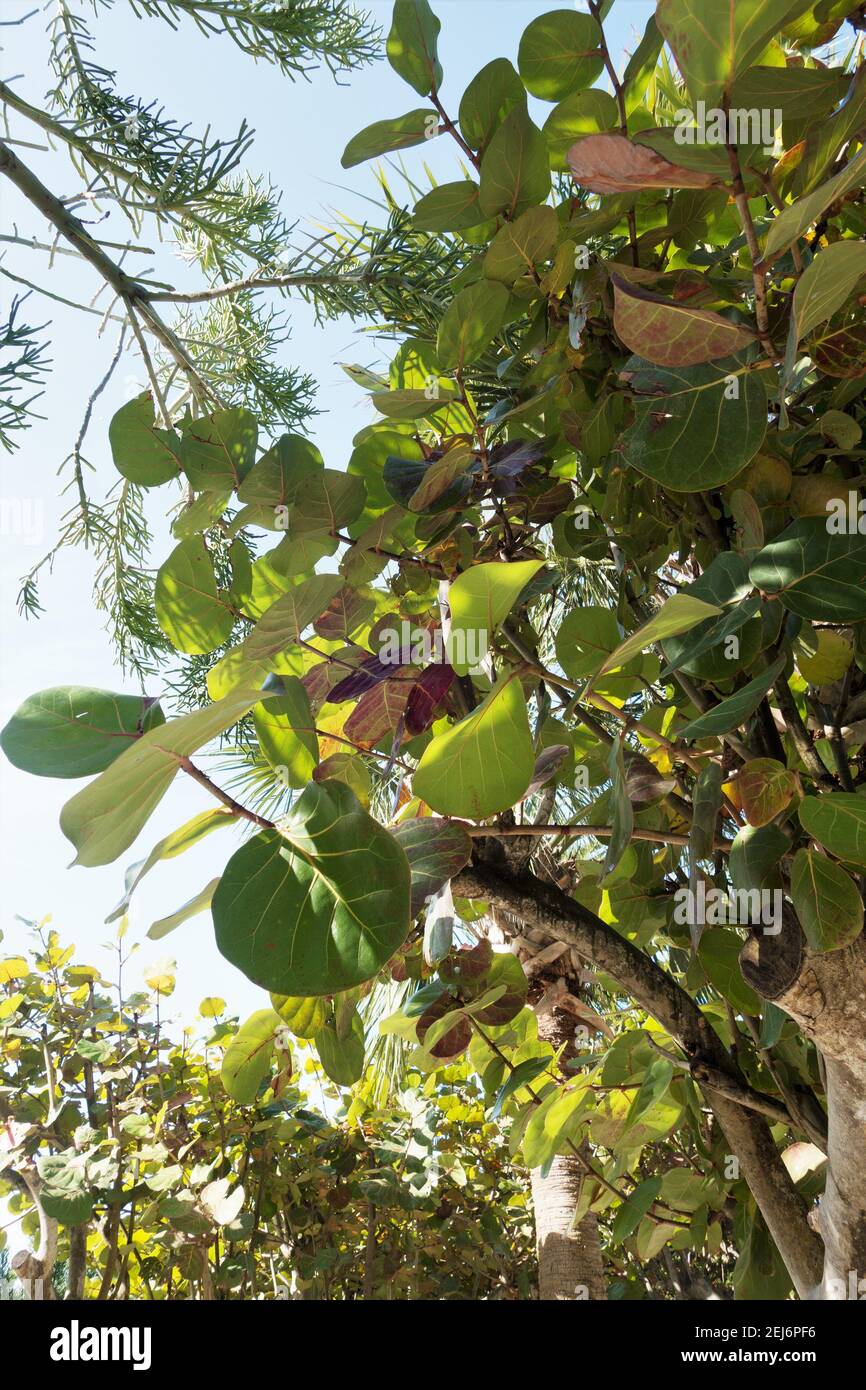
column 319, row 906
column 765, row 787
column 436, row 851
column 737, row 708
column 838, row 822
column 827, row 901
column 694, row 427
column 816, row 574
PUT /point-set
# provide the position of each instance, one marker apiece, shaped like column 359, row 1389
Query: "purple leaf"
column 430, row 688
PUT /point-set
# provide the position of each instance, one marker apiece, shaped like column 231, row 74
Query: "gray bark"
column 826, row 995
column 569, row 1260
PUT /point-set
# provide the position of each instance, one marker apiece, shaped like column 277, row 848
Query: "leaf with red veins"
column 669, row 334
column 344, row 614
column 426, row 695
column 378, row 712
column 370, row 673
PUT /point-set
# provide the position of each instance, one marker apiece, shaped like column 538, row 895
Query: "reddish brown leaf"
column 346, row 611
column 765, row 787
column 838, row 348
column 378, row 712
column 370, row 672
column 321, row 679
column 458, row 1037
column 613, row 164
column 430, row 688
column 468, row 964
column 672, row 335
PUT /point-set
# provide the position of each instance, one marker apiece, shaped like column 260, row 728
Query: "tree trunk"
column 34, row 1268
column 826, row 995
column 569, row 1261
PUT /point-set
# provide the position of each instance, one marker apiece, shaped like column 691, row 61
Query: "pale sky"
column 302, row 128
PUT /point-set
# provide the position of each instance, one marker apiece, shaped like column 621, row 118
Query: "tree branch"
column 545, row 906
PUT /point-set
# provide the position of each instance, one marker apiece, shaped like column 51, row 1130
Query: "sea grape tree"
column 576, row 638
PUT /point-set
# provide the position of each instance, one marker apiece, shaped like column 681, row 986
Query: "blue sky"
column 301, row 130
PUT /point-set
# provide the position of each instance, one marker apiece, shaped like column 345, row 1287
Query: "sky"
column 301, row 129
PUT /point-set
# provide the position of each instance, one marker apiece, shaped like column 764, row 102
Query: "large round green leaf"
column 719, row 954
column 470, row 323
column 342, row 1055
column 814, row 573
column 325, row 501
column 218, row 450
column 755, row 857
column 143, row 452
column 827, row 901
column 480, row 599
column 582, row 113
column 318, row 906
column 585, row 638
column 368, row 460
column 714, row 43
column 247, row 1058
column 694, row 427
column 559, row 53
column 514, row 170
column 188, row 607
column 73, row 731
column 274, row 480
column 491, row 94
column 65, row 1196
column 483, row 764
column 838, row 822
column 303, row 1015
column 521, row 245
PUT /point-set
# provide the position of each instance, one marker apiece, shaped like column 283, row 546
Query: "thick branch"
column 34, row 1267
column 545, row 906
